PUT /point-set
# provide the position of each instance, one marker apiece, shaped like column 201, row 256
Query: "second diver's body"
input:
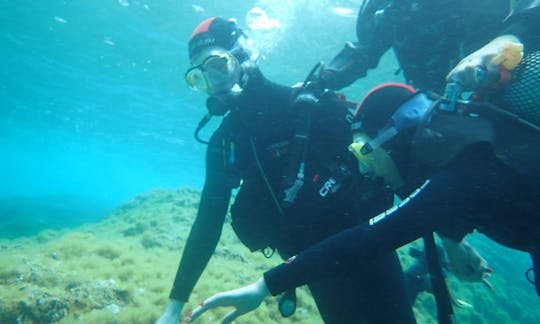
column 252, row 146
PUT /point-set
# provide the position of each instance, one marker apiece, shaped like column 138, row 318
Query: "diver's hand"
column 483, row 67
column 171, row 315
column 466, row 263
column 244, row 300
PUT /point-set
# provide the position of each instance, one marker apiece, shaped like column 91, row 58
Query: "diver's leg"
column 371, row 292
column 416, row 280
column 389, row 299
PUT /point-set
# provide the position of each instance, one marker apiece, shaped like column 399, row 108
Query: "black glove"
column 344, row 69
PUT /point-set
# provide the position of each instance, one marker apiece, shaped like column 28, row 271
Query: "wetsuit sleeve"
column 438, row 205
column 524, row 23
column 373, row 31
column 206, row 230
column 334, row 255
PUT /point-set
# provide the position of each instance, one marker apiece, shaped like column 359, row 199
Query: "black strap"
column 305, row 99
column 507, row 115
column 303, row 106
column 445, row 311
column 536, row 269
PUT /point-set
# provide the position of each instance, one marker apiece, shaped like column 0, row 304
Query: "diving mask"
column 213, row 71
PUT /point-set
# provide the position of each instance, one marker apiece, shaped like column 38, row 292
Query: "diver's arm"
column 434, row 206
column 524, row 8
column 203, row 238
column 484, row 66
column 386, row 232
column 438, row 205
column 487, row 65
column 524, row 23
column 201, row 243
column 356, row 58
column 206, row 230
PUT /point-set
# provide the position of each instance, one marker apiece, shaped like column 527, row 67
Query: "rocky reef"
column 120, row 270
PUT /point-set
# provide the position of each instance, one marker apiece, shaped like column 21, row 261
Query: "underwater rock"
column 137, row 229
column 136, row 251
column 44, row 309
column 113, row 308
column 184, row 198
column 8, row 313
column 10, row 276
column 229, row 254
column 149, row 242
column 108, row 252
column 98, row 295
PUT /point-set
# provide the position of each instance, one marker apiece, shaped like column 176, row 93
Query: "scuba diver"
column 476, row 169
column 474, row 165
column 427, row 51
column 286, row 149
column 428, row 37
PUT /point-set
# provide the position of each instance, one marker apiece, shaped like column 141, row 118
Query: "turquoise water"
column 94, row 108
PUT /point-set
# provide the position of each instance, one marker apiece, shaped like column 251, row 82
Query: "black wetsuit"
column 429, row 37
column 524, row 22
column 491, row 186
column 475, row 191
column 255, row 139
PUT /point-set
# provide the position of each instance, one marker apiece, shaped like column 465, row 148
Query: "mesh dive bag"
column 522, row 95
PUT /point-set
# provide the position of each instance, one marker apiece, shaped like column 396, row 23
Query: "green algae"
column 120, row 270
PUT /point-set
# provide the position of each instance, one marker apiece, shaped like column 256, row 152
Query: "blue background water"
column 94, row 108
